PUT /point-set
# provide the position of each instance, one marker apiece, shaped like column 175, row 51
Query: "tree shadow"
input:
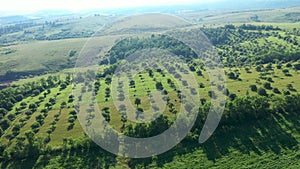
column 91, row 156
column 264, row 135
column 27, row 163
column 257, row 136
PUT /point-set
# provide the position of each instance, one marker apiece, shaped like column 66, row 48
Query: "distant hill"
column 12, row 19
column 204, row 6
column 145, row 23
column 249, row 4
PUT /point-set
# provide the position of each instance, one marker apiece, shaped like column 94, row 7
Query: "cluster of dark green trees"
column 128, row 46
column 228, row 40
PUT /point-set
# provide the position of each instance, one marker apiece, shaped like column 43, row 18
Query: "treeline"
column 64, row 34
column 128, row 46
column 12, row 75
column 253, row 27
column 251, row 44
column 74, row 153
column 247, row 109
column 26, row 33
column 272, row 57
column 16, row 27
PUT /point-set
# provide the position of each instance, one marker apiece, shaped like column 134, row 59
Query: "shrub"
column 159, row 86
column 23, row 105
column 28, row 113
column 253, row 88
column 73, row 112
column 71, row 119
column 269, row 79
column 297, row 66
column 258, row 68
column 203, row 101
column 4, row 124
column 261, row 91
column 201, row 85
column 36, row 92
column 232, row 96
column 285, row 71
column 232, row 76
column 35, row 125
column 276, row 90
column 289, row 65
column 279, row 66
column 19, row 97
column 268, row 86
column 3, row 111
column 199, row 72
column 16, row 129
column 63, row 86
column 11, row 117
column 212, row 94
column 286, row 93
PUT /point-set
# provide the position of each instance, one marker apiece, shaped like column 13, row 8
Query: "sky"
column 77, row 5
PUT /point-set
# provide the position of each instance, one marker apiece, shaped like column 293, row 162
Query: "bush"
column 4, row 124
column 291, row 88
column 232, row 96
column 44, row 111
column 19, row 97
column 71, row 119
column 63, row 86
column 3, row 111
column 23, row 105
column 258, row 68
column 268, row 86
column 11, row 117
column 16, row 129
column 261, row 91
column 199, row 73
column 279, row 66
column 28, row 113
column 289, row 65
column 36, row 92
column 297, row 66
column 269, row 79
column 40, row 118
column 73, row 112
column 203, row 101
column 159, row 86
column 276, row 90
column 232, row 76
column 212, row 94
column 285, row 71
column 35, row 125
column 253, row 88
column 32, row 106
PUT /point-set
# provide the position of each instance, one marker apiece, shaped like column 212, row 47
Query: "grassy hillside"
column 284, row 15
column 40, row 56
